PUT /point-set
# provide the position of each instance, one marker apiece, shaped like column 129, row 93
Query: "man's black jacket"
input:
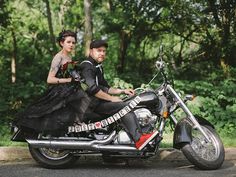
column 92, row 72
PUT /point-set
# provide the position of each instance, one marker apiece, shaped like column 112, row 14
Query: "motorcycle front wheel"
column 205, row 155
column 52, row 158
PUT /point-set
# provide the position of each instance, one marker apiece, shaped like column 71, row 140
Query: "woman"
column 64, row 102
column 66, row 40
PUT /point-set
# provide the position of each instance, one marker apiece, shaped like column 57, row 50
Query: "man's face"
column 98, row 54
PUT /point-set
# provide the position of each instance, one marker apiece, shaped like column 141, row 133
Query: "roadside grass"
column 6, row 141
column 167, row 141
column 228, row 141
column 5, row 137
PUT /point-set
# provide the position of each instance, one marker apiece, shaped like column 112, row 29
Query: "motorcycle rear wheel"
column 52, row 158
column 205, row 155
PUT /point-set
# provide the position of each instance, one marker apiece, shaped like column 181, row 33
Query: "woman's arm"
column 52, row 79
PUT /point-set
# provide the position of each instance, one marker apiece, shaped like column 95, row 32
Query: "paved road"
column 91, row 167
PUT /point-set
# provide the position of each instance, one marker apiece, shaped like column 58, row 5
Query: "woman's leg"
column 80, row 101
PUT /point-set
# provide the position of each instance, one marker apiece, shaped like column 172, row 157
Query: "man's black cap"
column 98, row 43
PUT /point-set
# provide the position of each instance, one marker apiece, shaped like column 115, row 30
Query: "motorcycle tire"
column 205, row 155
column 52, row 158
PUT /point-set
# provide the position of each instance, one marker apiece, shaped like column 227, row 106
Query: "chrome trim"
column 69, row 144
column 116, row 148
column 174, row 119
column 96, row 145
column 188, row 112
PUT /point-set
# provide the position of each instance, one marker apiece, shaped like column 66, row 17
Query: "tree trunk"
column 225, row 34
column 179, row 59
column 61, row 13
column 13, row 59
column 87, row 26
column 224, row 15
column 124, row 42
column 214, row 10
column 50, row 26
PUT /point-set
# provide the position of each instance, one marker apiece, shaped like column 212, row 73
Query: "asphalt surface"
column 22, row 153
column 17, row 162
column 94, row 167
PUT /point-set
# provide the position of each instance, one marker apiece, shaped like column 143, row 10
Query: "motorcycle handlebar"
column 160, row 65
column 75, row 75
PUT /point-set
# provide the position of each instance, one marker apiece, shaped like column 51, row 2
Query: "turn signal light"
column 190, row 97
column 165, row 114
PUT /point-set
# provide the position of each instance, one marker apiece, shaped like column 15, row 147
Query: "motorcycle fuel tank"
column 149, row 99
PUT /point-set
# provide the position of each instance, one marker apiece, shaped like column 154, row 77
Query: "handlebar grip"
column 75, row 75
column 160, row 64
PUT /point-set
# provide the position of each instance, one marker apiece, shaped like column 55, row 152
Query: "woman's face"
column 68, row 44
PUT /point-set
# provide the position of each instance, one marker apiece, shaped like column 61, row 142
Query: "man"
column 104, row 103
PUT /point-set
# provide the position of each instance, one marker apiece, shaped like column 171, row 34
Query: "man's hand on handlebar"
column 130, row 92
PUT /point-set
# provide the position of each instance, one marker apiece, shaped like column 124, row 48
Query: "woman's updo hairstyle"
column 63, row 34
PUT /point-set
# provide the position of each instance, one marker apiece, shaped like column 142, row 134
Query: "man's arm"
column 114, row 91
column 117, row 91
column 88, row 72
column 105, row 96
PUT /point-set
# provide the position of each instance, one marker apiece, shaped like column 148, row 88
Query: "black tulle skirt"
column 54, row 110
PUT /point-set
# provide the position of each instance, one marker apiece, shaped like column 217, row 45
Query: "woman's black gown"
column 57, row 108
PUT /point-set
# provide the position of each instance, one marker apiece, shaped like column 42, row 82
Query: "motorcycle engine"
column 123, row 138
column 146, row 119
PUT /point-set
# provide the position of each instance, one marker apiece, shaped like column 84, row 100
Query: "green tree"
column 130, row 20
column 4, row 14
column 222, row 15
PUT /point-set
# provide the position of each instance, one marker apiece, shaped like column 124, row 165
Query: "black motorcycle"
column 193, row 135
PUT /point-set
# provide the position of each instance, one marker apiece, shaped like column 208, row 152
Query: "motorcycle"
column 193, row 135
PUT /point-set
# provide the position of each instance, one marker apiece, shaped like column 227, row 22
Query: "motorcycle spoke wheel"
column 203, row 154
column 54, row 154
column 209, row 151
column 51, row 157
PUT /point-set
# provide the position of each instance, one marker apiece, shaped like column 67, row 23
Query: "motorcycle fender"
column 182, row 134
column 18, row 136
column 203, row 121
column 183, row 131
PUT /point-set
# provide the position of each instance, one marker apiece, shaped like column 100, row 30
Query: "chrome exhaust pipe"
column 96, row 145
column 114, row 148
column 69, row 144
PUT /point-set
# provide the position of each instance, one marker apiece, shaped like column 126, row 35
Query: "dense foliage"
column 199, row 39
